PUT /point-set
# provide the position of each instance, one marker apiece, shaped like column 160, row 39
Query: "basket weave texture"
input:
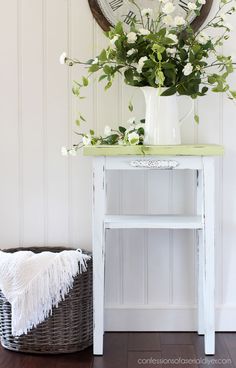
column 68, row 329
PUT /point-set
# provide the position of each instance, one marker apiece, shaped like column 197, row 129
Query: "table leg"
column 99, row 208
column 201, row 279
column 209, row 290
column 200, row 251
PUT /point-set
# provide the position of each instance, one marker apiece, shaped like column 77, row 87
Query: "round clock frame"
column 105, row 25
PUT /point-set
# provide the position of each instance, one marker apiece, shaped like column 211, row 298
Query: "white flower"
column 179, row 21
column 168, row 20
column 107, row 131
column 114, row 39
column 173, row 37
column 72, row 152
column 95, row 61
column 192, row 6
column 202, row 38
column 146, row 12
column 131, row 52
column 188, row 69
column 63, row 58
column 168, row 8
column 131, row 121
column 171, row 51
column 141, row 63
column 131, row 37
column 86, row 139
column 64, row 151
column 144, row 31
column 202, row 2
column 133, row 138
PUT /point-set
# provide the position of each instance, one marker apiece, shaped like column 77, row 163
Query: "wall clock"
column 108, row 12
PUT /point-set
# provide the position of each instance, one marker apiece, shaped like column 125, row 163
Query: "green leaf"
column 168, row 65
column 196, row 48
column 169, row 41
column 103, row 56
column 119, row 28
column 112, row 139
column 183, row 54
column 204, row 90
column 102, row 77
column 196, row 118
column 75, row 91
column 170, row 74
column 94, row 68
column 85, row 81
column 158, row 49
column 91, row 132
column 233, row 93
column 107, row 69
column 170, row 91
column 129, row 76
column 161, row 77
column 82, row 118
column 211, row 79
column 77, row 122
column 130, row 106
column 77, row 83
column 122, row 129
column 162, row 32
column 108, row 85
column 140, row 131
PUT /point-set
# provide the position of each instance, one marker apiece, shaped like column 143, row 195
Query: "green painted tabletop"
column 175, row 150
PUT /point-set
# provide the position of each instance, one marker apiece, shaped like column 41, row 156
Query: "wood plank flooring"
column 136, row 350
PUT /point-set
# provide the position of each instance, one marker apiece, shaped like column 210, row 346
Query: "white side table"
column 199, row 158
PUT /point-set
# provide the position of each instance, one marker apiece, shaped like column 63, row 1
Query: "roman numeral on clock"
column 183, row 5
column 129, row 17
column 116, row 4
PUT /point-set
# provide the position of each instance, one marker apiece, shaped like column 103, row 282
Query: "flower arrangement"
column 132, row 135
column 162, row 50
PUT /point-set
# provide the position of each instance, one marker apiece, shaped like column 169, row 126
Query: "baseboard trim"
column 164, row 318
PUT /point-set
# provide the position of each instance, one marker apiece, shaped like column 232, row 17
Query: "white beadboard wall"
column 46, row 198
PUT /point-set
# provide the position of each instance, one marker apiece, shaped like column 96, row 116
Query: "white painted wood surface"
column 209, row 254
column 125, row 163
column 200, row 251
column 152, row 222
column 46, row 199
column 99, row 210
column 203, row 221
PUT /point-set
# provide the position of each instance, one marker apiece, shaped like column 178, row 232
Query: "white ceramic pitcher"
column 162, row 123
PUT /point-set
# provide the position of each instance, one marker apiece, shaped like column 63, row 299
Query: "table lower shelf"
column 153, row 222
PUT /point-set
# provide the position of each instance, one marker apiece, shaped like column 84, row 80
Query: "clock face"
column 109, row 12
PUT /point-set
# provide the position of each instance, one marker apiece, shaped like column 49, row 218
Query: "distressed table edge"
column 175, row 150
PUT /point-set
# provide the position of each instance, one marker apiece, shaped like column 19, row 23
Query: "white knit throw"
column 34, row 283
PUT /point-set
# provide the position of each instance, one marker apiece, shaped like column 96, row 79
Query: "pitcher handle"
column 181, row 120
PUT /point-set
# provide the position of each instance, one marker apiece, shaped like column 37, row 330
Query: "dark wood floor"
column 133, row 350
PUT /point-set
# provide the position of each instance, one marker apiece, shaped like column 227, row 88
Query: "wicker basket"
column 68, row 329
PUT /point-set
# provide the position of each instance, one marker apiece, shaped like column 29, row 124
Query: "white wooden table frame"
column 202, row 222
